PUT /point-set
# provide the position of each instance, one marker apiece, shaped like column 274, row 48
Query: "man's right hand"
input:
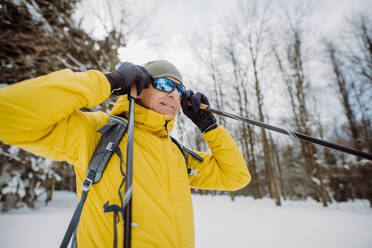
column 122, row 78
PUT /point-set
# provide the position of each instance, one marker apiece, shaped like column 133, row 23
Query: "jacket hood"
column 149, row 119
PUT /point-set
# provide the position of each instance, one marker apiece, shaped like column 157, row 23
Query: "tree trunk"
column 268, row 164
column 294, row 78
column 247, row 133
column 345, row 95
column 276, row 156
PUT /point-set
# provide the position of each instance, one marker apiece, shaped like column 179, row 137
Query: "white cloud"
column 176, row 51
column 138, row 52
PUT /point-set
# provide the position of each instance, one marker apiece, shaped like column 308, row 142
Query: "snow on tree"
column 36, row 38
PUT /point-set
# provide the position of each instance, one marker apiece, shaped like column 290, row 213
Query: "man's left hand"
column 202, row 118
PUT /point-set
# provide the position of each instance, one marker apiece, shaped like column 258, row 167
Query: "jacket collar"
column 147, row 118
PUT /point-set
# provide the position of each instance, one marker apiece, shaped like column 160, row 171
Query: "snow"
column 256, row 224
column 36, row 15
column 16, row 185
column 43, row 227
column 219, row 222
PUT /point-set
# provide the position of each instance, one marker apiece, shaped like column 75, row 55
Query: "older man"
column 42, row 115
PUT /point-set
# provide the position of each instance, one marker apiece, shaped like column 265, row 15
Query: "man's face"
column 161, row 101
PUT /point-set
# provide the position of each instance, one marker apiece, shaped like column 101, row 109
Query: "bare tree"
column 230, row 50
column 359, row 55
column 253, row 29
column 291, row 66
column 119, row 20
column 205, row 47
column 276, row 158
column 344, row 90
column 206, row 52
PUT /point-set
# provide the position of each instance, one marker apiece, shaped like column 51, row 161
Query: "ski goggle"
column 167, row 85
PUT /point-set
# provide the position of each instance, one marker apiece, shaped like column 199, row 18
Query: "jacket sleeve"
column 41, row 115
column 224, row 169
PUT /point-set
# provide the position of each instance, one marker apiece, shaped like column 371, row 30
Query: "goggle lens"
column 167, row 85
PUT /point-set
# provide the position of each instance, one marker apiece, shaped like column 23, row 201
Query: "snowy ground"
column 219, row 223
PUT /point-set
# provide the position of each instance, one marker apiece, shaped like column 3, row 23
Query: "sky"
column 172, row 29
column 175, row 22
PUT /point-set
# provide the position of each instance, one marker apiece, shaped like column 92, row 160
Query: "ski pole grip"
column 201, row 106
column 133, row 91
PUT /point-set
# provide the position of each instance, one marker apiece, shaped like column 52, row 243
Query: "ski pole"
column 129, row 170
column 290, row 133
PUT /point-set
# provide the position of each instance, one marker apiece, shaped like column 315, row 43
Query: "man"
column 42, row 115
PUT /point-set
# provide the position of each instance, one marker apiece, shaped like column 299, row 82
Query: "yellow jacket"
column 42, row 115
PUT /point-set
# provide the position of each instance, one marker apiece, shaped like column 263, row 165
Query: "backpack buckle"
column 109, row 146
column 191, row 171
column 86, row 184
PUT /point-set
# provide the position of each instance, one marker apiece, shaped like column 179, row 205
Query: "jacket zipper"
column 166, row 126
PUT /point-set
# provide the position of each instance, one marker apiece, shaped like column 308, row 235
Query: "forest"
column 264, row 62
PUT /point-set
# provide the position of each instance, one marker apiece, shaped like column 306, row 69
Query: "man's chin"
column 166, row 112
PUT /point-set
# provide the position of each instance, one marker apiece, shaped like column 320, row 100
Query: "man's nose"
column 174, row 93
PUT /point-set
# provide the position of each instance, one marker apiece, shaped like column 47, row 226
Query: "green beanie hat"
column 162, row 68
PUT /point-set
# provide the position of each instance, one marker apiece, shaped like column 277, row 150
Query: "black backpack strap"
column 193, row 154
column 116, row 209
column 184, row 150
column 112, row 133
